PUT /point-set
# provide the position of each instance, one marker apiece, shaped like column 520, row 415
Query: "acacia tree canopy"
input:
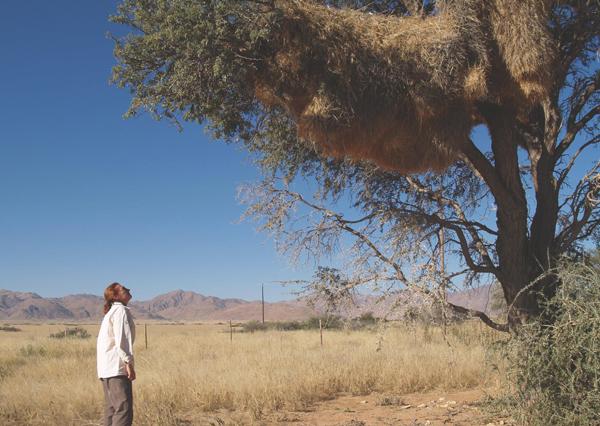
column 378, row 100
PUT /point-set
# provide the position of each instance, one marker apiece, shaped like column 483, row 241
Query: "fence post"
column 230, row 331
column 321, row 331
column 146, row 334
column 262, row 292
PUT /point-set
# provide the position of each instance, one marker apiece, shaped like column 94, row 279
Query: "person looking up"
column 114, row 351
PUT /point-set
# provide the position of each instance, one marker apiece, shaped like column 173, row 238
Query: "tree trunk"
column 512, row 244
column 543, row 224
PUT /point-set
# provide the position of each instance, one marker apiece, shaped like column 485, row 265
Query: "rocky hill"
column 180, row 305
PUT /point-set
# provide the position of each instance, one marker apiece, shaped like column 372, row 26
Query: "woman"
column 115, row 356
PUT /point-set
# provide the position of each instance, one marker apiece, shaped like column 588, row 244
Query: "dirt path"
column 433, row 408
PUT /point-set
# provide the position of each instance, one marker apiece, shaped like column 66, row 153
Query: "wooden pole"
column 262, row 287
column 442, row 256
column 230, row 331
column 146, row 334
column 321, row 331
column 443, row 293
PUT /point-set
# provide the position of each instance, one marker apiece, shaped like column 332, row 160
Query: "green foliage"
column 76, row 332
column 555, row 367
column 182, row 58
column 181, row 61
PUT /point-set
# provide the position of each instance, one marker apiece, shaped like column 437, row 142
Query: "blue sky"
column 89, row 198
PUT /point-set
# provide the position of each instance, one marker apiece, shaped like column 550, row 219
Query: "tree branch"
column 481, row 165
column 584, row 197
column 479, row 245
column 464, row 246
column 577, row 105
column 344, row 224
column 482, row 316
column 565, row 172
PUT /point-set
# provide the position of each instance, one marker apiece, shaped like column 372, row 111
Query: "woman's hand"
column 130, row 372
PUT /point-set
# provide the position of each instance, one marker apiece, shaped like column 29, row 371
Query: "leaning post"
column 321, row 331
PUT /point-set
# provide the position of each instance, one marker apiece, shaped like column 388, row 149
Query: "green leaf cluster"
column 192, row 60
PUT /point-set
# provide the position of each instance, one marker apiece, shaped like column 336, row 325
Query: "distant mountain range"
column 176, row 305
column 180, row 305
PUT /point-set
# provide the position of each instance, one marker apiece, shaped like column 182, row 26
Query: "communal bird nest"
column 403, row 91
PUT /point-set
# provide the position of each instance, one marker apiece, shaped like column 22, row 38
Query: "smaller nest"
column 390, row 137
column 526, row 46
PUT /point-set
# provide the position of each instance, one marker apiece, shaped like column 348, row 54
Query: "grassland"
column 195, row 368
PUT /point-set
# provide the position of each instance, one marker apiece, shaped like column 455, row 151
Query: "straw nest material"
column 402, row 92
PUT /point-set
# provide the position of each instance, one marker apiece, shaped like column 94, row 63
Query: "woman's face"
column 124, row 295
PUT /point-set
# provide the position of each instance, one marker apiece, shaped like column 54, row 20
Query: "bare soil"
column 432, row 408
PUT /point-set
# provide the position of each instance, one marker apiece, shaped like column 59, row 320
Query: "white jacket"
column 115, row 342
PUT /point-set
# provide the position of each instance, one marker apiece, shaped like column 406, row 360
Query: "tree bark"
column 543, row 224
column 512, row 244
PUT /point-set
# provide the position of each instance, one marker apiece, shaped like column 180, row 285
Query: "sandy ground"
column 433, row 408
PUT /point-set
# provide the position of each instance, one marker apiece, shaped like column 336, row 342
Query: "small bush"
column 355, row 422
column 330, row 323
column 9, row 328
column 288, row 325
column 74, row 333
column 388, row 400
column 555, row 368
column 252, row 326
column 367, row 318
column 33, row 351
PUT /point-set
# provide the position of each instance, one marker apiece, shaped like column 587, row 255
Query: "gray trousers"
column 118, row 399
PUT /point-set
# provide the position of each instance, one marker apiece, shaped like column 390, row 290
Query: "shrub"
column 367, row 318
column 252, row 326
column 387, row 400
column 75, row 333
column 289, row 325
column 9, row 328
column 329, row 322
column 32, row 351
column 555, row 368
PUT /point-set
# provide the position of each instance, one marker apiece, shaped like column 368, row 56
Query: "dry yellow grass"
column 193, row 368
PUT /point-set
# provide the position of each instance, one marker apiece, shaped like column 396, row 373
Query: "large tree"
column 377, row 101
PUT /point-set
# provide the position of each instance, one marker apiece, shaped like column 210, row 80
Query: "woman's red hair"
column 110, row 295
